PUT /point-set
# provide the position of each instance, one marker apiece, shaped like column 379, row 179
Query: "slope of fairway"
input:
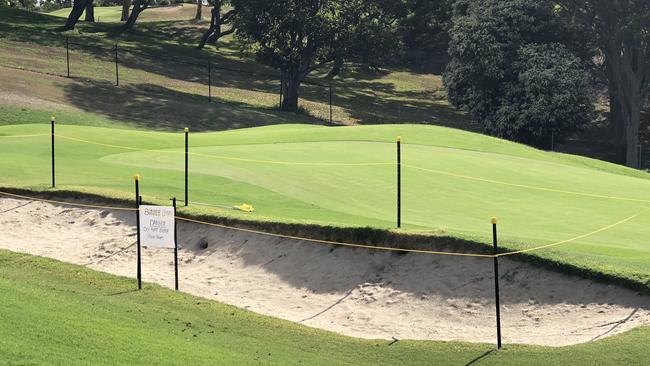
column 56, row 313
column 453, row 182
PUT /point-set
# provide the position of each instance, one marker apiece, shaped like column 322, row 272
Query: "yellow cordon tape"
column 352, row 245
column 440, row 172
column 468, row 177
column 222, row 157
column 575, row 238
column 328, row 242
column 68, row 203
column 23, row 136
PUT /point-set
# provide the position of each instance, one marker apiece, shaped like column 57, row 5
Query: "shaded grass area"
column 161, row 13
column 57, row 313
column 162, row 56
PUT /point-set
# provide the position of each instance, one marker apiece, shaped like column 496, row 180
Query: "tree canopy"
column 510, row 70
column 620, row 29
column 299, row 36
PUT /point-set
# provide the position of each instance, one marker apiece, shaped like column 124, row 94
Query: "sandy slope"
column 354, row 292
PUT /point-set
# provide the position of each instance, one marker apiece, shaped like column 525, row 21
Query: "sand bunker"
column 361, row 293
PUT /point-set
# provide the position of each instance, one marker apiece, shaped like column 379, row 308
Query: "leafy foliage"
column 510, row 70
column 299, row 36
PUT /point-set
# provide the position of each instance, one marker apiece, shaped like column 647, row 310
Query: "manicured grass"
column 289, row 173
column 61, row 314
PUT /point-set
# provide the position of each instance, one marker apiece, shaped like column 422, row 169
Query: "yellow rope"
column 574, row 238
column 329, row 242
column 442, row 172
column 21, row 136
column 68, row 203
column 225, row 157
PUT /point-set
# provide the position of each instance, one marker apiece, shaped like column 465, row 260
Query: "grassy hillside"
column 453, row 182
column 165, row 13
column 56, row 313
column 163, row 79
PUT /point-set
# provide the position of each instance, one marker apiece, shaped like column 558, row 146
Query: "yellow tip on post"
column 399, row 138
column 187, row 130
column 136, row 176
column 52, row 118
column 493, row 220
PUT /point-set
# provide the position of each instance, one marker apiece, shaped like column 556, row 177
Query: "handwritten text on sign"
column 157, row 226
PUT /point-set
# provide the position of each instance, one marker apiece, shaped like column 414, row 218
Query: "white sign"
column 157, row 226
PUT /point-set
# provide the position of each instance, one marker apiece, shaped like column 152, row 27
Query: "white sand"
column 361, row 293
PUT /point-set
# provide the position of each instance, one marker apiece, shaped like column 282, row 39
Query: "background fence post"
column 187, row 131
column 331, row 122
column 281, row 90
column 175, row 248
column 117, row 73
column 496, row 280
column 399, row 181
column 137, row 222
column 52, row 120
column 209, row 82
column 67, row 54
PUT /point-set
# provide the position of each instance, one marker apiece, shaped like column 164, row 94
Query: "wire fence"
column 137, row 209
column 179, row 151
column 205, row 72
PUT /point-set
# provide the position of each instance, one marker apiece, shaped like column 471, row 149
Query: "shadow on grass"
column 156, row 107
column 360, row 96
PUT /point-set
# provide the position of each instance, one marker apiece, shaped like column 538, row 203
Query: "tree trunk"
column 138, row 7
column 290, row 92
column 77, row 9
column 628, row 75
column 126, row 4
column 632, row 117
column 199, row 9
column 213, row 33
column 336, row 68
column 90, row 12
column 215, row 26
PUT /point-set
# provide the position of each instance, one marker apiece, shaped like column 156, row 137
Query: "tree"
column 425, row 28
column 138, row 7
column 217, row 21
column 78, row 7
column 90, row 12
column 199, row 10
column 126, row 4
column 621, row 29
column 510, row 70
column 299, row 36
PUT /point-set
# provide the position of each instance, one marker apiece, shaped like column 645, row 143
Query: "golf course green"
column 452, row 183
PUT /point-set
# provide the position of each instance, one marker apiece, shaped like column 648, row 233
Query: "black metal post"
column 281, row 90
column 138, row 200
column 187, row 132
column 330, row 86
column 399, row 182
column 67, row 54
column 496, row 280
column 52, row 120
column 209, row 82
column 175, row 248
column 552, row 141
column 117, row 73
